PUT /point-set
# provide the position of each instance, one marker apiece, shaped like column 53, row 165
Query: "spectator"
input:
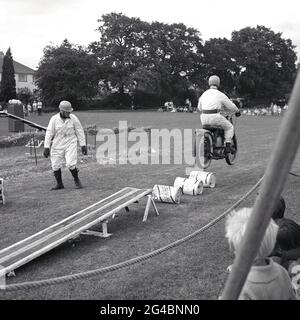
column 170, row 106
column 287, row 248
column 165, row 106
column 188, row 105
column 275, row 110
column 39, row 108
column 279, row 209
column 287, row 242
column 29, row 109
column 266, row 280
column 25, row 110
column 34, row 108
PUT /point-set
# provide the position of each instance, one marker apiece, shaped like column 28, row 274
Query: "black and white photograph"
column 149, row 156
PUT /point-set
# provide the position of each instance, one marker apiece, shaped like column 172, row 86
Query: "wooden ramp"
column 32, row 247
column 30, row 123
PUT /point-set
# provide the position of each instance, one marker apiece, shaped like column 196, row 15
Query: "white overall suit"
column 63, row 135
column 214, row 100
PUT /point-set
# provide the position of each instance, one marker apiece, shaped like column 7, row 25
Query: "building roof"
column 19, row 67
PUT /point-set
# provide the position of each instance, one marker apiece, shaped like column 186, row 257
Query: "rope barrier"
column 91, row 273
column 294, row 174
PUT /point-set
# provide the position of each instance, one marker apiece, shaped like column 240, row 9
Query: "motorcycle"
column 210, row 145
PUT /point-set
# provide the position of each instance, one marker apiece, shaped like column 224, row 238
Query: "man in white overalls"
column 63, row 133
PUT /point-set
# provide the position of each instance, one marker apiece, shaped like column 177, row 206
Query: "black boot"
column 76, row 179
column 227, row 147
column 59, row 184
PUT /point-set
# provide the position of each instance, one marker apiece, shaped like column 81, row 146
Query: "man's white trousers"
column 67, row 155
column 216, row 119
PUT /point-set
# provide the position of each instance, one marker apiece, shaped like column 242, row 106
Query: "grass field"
column 195, row 270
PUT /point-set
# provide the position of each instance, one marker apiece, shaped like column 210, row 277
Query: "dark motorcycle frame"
column 214, row 146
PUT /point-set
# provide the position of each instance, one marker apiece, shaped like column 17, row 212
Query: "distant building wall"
column 24, row 80
column 24, row 75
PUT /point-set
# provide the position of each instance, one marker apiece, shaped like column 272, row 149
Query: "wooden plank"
column 24, row 257
column 40, row 249
column 55, row 226
column 30, row 123
column 66, row 224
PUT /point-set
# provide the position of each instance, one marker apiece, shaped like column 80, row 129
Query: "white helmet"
column 65, row 106
column 214, row 81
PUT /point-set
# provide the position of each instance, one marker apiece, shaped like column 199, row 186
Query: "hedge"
column 20, row 139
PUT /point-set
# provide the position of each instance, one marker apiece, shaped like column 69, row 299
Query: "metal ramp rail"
column 30, row 123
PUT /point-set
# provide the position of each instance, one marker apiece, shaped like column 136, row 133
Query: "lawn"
column 194, row 270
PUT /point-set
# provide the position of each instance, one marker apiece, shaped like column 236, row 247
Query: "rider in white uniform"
column 63, row 133
column 211, row 102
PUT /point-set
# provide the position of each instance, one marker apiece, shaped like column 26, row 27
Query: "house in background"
column 24, row 75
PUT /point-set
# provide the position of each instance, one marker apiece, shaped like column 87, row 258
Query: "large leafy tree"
column 8, row 82
column 219, row 59
column 119, row 48
column 266, row 62
column 175, row 52
column 67, row 72
column 130, row 48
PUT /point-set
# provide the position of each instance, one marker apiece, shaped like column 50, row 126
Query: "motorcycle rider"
column 210, row 103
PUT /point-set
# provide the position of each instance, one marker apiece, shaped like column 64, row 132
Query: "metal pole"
column 282, row 157
column 95, row 139
column 34, row 148
column 30, row 144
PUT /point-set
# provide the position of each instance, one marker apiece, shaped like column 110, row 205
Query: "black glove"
column 238, row 114
column 84, row 150
column 46, row 152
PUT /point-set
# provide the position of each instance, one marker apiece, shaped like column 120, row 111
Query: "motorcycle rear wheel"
column 230, row 157
column 203, row 151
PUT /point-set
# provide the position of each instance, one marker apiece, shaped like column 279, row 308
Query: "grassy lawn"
column 195, row 269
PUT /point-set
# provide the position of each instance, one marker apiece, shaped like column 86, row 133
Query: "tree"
column 118, row 50
column 25, row 95
column 8, row 82
column 219, row 59
column 130, row 50
column 266, row 61
column 176, row 53
column 67, row 72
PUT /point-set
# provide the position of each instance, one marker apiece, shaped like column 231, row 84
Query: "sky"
column 28, row 26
